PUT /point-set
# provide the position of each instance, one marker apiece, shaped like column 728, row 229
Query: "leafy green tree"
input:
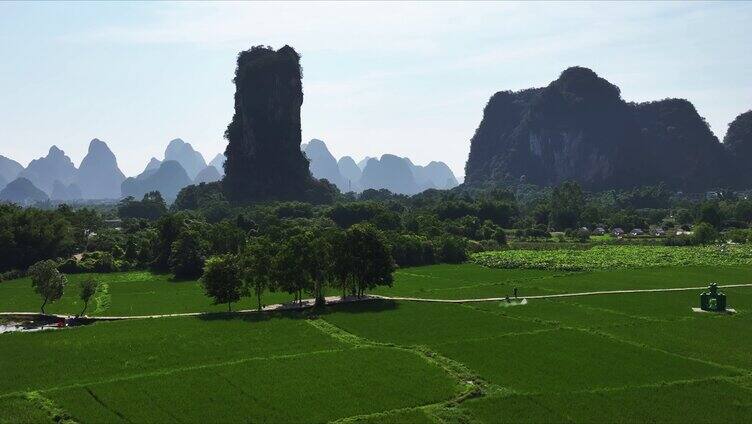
column 256, row 264
column 294, row 210
column 145, row 252
column 704, row 233
column 222, row 280
column 453, row 249
column 387, row 220
column 226, row 237
column 106, row 240
column 117, row 252
column 412, row 250
column 199, row 196
column 131, row 249
column 372, row 262
column 87, row 289
column 150, row 207
column 292, row 265
column 567, row 202
column 342, row 262
column 500, row 213
column 710, row 213
column 84, row 221
column 489, row 230
column 188, row 254
column 321, row 264
column 743, row 211
column 347, row 214
column 31, row 235
column 47, row 281
column 467, row 226
column 500, row 236
column 168, row 229
column 104, row 262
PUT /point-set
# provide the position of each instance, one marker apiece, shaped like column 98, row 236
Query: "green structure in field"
column 713, row 300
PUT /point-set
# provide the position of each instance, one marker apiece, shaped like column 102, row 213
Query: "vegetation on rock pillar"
column 264, row 160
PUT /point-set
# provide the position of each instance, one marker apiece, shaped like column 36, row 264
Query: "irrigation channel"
column 25, row 321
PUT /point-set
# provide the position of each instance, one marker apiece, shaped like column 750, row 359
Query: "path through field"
column 334, row 300
column 553, row 296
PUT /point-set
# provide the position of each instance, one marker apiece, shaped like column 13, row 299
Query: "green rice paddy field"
column 641, row 357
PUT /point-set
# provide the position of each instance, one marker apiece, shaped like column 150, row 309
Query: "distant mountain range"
column 99, row 177
column 397, row 174
column 21, row 191
column 169, row 178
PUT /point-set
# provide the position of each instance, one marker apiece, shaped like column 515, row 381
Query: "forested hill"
column 579, row 128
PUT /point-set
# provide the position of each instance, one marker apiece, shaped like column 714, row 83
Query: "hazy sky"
column 408, row 79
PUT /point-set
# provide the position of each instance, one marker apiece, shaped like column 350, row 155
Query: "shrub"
column 474, row 246
column 70, row 266
column 500, row 236
column 91, row 262
column 11, row 275
column 104, row 262
column 453, row 249
column 705, row 233
column 737, row 236
column 679, row 241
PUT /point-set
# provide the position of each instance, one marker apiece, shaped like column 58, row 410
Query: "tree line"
column 431, row 227
column 351, row 262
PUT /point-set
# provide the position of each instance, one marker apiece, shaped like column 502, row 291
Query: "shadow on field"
column 369, row 306
column 253, row 316
column 365, row 306
column 176, row 280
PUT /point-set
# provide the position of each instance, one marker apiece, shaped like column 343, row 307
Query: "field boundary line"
column 615, row 337
column 548, row 329
column 356, row 418
column 646, row 319
column 170, row 371
column 336, row 300
column 469, row 384
column 727, row 379
column 277, row 307
column 555, row 296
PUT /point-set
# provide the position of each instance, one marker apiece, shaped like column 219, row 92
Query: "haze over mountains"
column 192, row 161
column 22, row 192
column 99, row 177
column 168, row 179
column 576, row 128
column 396, row 174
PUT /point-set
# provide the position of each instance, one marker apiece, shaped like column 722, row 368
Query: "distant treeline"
column 431, row 227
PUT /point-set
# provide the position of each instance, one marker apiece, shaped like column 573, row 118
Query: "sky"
column 404, row 78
